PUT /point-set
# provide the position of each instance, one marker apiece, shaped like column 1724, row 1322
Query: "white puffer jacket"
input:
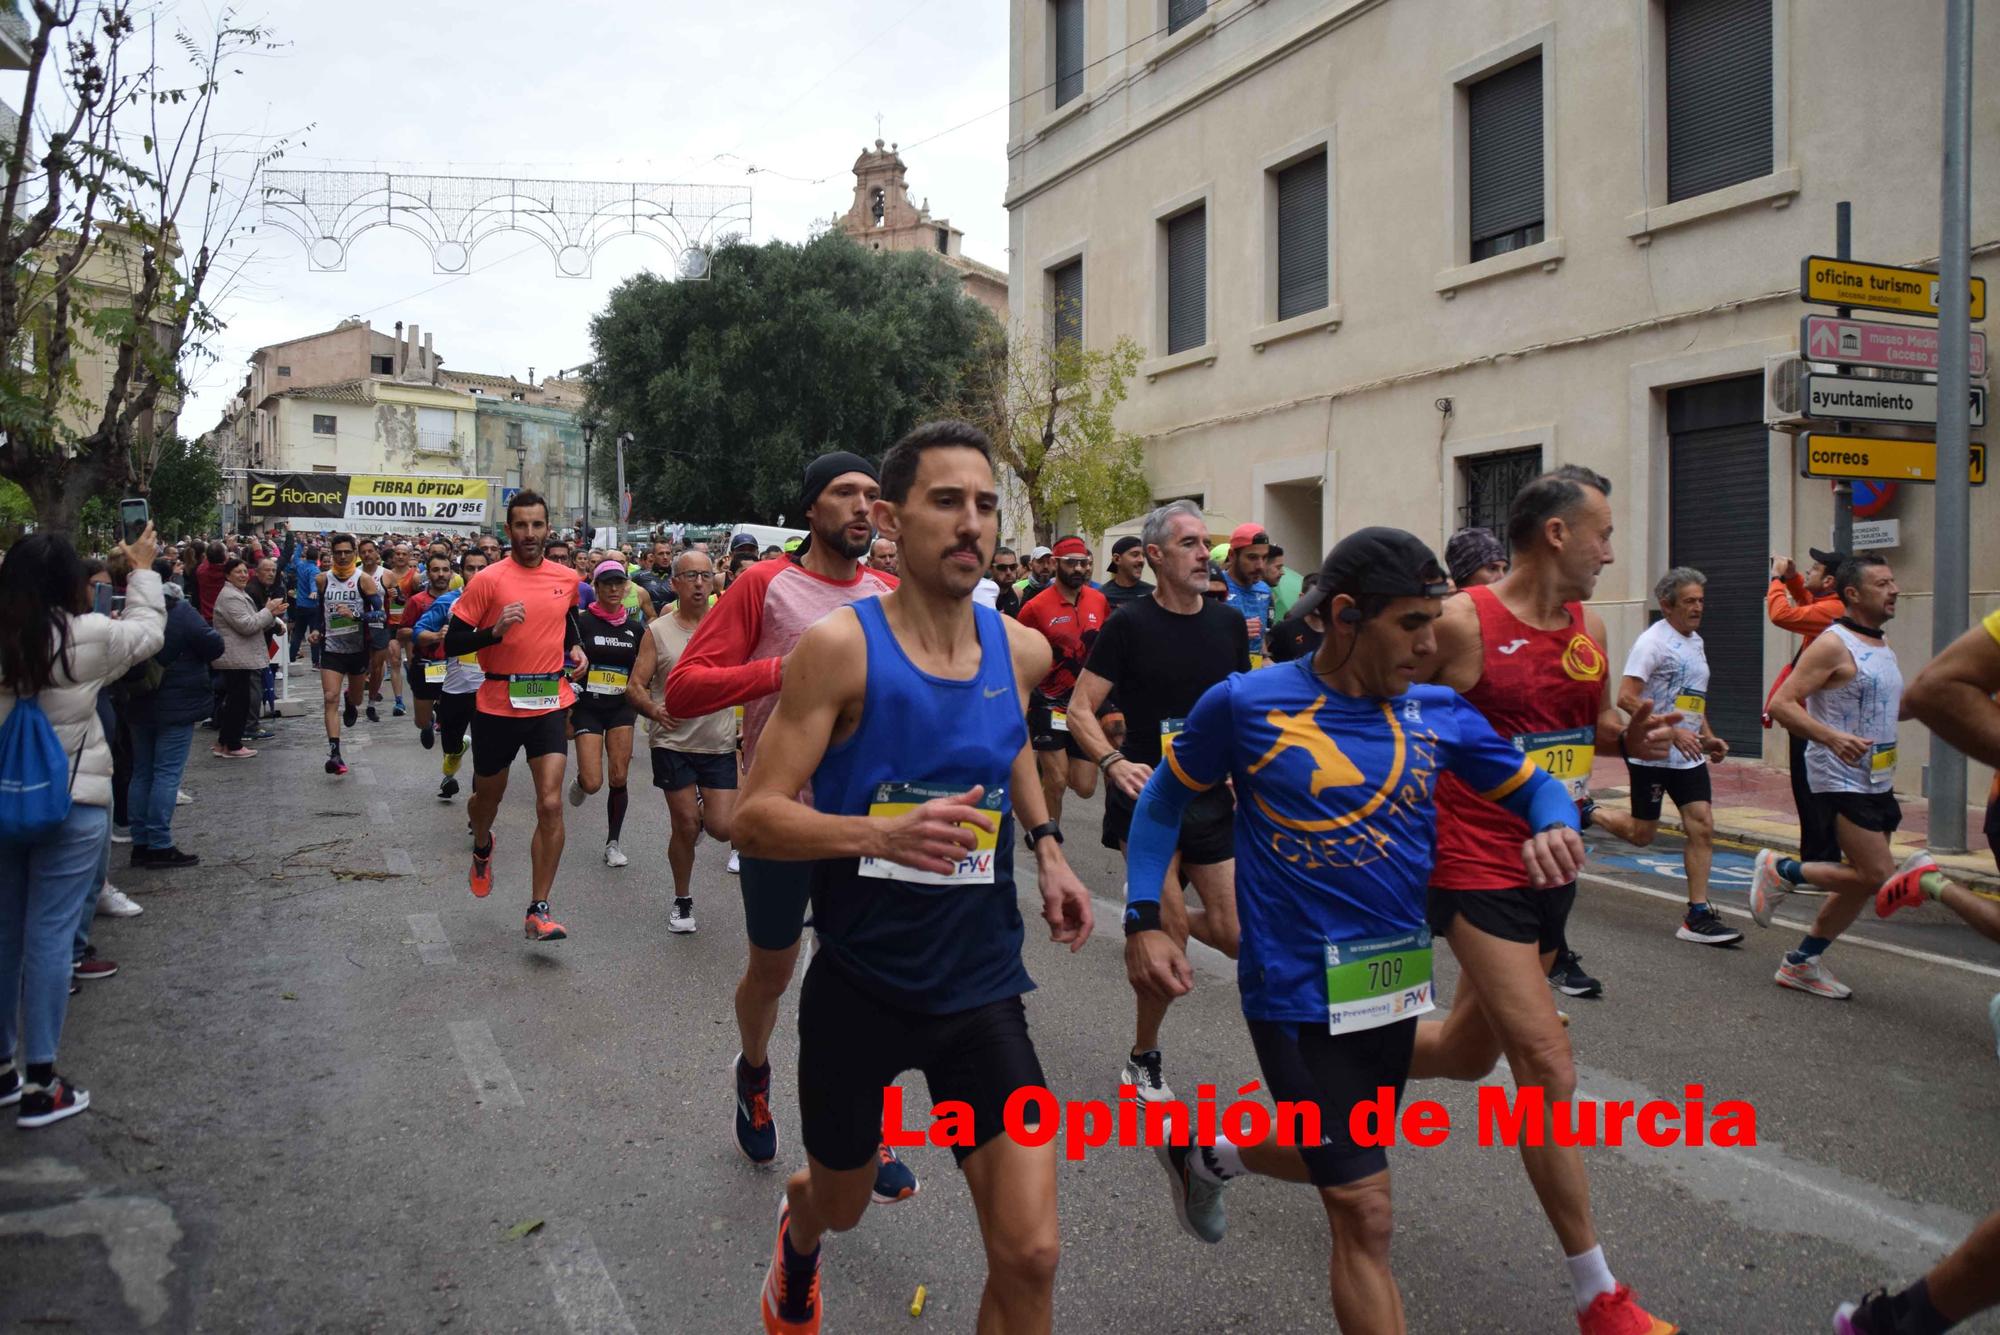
column 101, row 650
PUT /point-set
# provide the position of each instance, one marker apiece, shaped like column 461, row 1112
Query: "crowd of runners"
column 1343, row 765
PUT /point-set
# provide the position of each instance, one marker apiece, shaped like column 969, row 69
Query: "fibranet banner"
column 317, row 500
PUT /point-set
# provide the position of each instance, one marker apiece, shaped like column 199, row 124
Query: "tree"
column 730, row 386
column 187, row 478
column 92, row 265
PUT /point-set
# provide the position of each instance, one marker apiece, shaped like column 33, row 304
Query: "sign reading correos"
column 1873, row 457
column 369, row 498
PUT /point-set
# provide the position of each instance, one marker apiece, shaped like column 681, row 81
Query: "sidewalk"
column 1753, row 809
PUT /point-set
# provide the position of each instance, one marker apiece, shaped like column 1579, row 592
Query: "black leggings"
column 239, row 692
column 454, row 716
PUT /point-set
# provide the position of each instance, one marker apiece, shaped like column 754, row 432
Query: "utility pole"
column 1843, row 491
column 1952, row 531
column 618, row 504
column 589, row 428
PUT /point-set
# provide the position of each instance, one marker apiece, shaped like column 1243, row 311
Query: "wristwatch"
column 1046, row 830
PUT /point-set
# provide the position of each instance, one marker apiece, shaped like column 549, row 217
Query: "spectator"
column 243, row 625
column 1805, row 605
column 208, row 579
column 51, row 649
column 162, row 723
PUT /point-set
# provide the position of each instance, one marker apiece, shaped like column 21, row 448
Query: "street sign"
column 1895, row 347
column 1849, row 399
column 1877, row 287
column 1875, row 534
column 1873, row 457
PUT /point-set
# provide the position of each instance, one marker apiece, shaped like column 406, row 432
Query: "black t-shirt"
column 1292, row 638
column 1159, row 663
column 1119, row 596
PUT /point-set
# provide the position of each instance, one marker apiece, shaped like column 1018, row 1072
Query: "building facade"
column 1390, row 257
column 883, row 217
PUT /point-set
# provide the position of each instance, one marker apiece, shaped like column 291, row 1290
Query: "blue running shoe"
column 893, row 1179
column 756, row 1132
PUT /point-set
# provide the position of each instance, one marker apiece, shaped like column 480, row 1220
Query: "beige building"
column 1388, row 257
column 883, row 217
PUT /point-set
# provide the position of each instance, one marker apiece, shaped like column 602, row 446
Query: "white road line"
column 585, row 1295
column 378, row 813
column 1849, row 939
column 364, row 775
column 492, row 1083
column 397, row 860
column 427, row 932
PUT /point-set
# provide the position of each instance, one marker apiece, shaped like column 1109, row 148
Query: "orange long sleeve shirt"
column 1791, row 608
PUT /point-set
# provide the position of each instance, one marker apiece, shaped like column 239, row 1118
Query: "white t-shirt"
column 1675, row 669
column 986, row 593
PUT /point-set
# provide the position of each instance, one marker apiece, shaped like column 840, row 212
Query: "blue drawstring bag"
column 34, row 775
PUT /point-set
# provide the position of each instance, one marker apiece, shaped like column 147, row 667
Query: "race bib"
column 606, row 681
column 434, row 670
column 1058, row 721
column 1171, row 728
column 1378, row 981
column 1882, row 760
column 339, row 624
column 974, row 868
column 1256, row 661
column 535, row 694
column 1693, row 706
column 469, row 660
column 1564, row 755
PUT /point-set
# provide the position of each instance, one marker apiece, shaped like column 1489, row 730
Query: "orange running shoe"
column 482, row 869
column 1905, row 890
column 791, row 1287
column 541, row 927
column 1619, row 1313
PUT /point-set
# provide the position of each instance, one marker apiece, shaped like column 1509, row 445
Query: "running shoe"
column 428, row 736
column 1197, row 1200
column 349, row 714
column 262, row 735
column 335, row 765
column 756, row 1133
column 1767, row 888
column 542, row 927
column 42, row 1104
column 1704, row 926
column 576, row 793
column 121, row 834
column 893, row 1179
column 614, row 856
column 790, row 1302
column 1566, row 976
column 373, row 717
column 90, row 967
column 181, row 798
column 399, row 711
column 453, row 759
column 448, row 789
column 482, row 869
column 682, row 921
column 1619, row 1313
column 1813, row 976
column 115, row 903
column 1142, row 1071
column 735, row 863
column 1904, row 890
column 10, row 1085
column 1873, row 1315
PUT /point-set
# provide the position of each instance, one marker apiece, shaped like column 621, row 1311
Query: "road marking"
column 585, row 1295
column 139, row 1236
column 41, row 1171
column 492, row 1083
column 398, row 861
column 364, row 775
column 378, row 813
column 1850, row 938
column 427, row 931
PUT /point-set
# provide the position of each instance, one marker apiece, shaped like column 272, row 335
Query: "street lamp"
column 589, row 428
column 618, row 501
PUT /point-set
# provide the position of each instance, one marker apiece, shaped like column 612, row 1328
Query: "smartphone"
column 101, row 597
column 134, row 513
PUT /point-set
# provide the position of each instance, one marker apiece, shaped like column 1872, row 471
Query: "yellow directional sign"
column 1877, row 287
column 1882, row 460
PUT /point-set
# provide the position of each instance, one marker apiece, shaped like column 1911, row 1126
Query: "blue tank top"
column 933, row 944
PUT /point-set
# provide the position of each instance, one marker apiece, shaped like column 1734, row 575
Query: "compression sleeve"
column 462, row 637
column 1542, row 802
column 371, row 607
column 713, row 671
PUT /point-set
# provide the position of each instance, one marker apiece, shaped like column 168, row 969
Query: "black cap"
column 1120, row 547
column 1386, row 562
column 1826, row 558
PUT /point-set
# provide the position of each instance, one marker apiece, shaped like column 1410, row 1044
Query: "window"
column 1719, row 99
column 513, row 435
column 284, row 370
column 324, row 424
column 1187, row 280
column 381, row 366
column 1302, row 229
column 944, row 241
column 1504, row 159
column 437, row 430
column 1180, row 13
column 324, row 468
column 1066, row 16
column 1489, row 481
column 1066, row 303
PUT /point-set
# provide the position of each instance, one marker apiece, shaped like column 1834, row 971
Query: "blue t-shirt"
column 305, row 578
column 1254, row 601
column 1336, row 827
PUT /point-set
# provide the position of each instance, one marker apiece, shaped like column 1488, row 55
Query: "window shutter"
column 1069, row 50
column 1302, row 225
column 1067, row 293
column 1718, row 94
column 1180, row 13
column 1187, row 280
column 1504, row 115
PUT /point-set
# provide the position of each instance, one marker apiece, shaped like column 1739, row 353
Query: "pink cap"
column 608, row 568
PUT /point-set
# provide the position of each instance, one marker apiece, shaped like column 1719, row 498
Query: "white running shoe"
column 735, row 863
column 1143, row 1072
column 1813, row 976
column 1767, row 888
column 115, row 903
column 613, row 856
column 576, row 793
column 181, row 798
column 682, row 921
column 121, row 834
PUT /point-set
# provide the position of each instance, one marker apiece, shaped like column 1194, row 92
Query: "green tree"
column 730, row 386
column 186, row 481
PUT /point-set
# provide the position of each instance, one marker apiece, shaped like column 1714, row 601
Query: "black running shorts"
column 498, row 738
column 1880, row 812
column 1653, row 784
column 776, row 896
column 454, row 716
column 1517, row 913
column 601, row 714
column 1043, row 736
column 1208, row 826
column 420, row 689
column 349, row 664
column 852, row 1045
column 1303, row 1063
column 674, row 770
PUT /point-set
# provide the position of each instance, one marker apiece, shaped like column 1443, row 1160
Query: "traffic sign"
column 1877, row 287
column 1873, row 457
column 1896, row 347
column 1875, row 534
column 1850, row 399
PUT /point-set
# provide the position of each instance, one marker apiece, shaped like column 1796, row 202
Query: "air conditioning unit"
column 1784, row 392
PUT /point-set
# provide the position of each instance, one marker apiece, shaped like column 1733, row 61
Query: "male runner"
column 1068, row 613
column 738, row 657
column 882, row 556
column 1006, row 569
column 1525, row 653
column 602, row 717
column 1160, row 655
column 381, row 634
column 516, row 615
column 1474, row 556
column 350, row 601
column 1286, row 584
column 1844, row 697
column 1243, row 577
column 1805, row 605
column 1128, row 562
column 1040, row 574
column 904, row 717
column 1668, row 665
column 1334, row 758
column 694, row 760
column 427, row 668
column 462, row 678
column 656, row 577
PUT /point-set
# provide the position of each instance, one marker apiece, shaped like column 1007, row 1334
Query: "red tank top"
column 1532, row 683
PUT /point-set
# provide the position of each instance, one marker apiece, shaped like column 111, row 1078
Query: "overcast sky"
column 625, row 91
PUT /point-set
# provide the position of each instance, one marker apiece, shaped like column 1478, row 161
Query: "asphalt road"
column 328, row 1084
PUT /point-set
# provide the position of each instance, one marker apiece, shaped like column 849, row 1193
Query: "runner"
column 1040, row 574
column 1243, row 577
column 1804, row 605
column 462, row 679
column 1287, row 586
column 882, row 556
column 694, row 760
column 1669, row 666
column 1068, row 613
column 381, row 637
column 350, row 601
column 1005, row 571
column 1843, row 696
column 427, row 669
column 1160, row 654
column 738, row 657
column 516, row 615
column 1525, row 653
column 904, row 717
column 1128, row 562
column 1334, row 759
column 657, row 576
column 1474, row 556
column 602, row 718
